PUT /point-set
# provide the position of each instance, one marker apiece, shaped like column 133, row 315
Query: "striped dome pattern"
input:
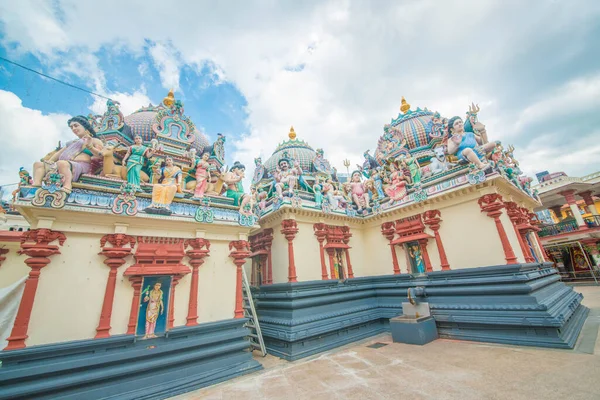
column 296, row 149
column 413, row 127
column 141, row 123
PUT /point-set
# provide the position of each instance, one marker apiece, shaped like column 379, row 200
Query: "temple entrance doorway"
column 415, row 257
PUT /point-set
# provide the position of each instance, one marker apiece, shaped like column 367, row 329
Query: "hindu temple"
column 144, row 251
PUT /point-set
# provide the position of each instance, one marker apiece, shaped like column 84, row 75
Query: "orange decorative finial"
column 292, row 134
column 404, row 107
column 170, row 99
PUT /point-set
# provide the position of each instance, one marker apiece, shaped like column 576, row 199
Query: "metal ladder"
column 256, row 338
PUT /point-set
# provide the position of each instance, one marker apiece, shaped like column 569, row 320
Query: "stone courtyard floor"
column 443, row 369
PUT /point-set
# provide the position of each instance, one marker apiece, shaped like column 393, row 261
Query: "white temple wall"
column 279, row 255
column 216, row 287
column 306, row 253
column 357, row 252
column 377, row 255
column 470, row 237
column 70, row 293
column 14, row 267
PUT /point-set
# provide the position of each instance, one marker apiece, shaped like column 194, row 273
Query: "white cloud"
column 166, row 60
column 336, row 70
column 579, row 95
column 128, row 103
column 27, row 135
column 581, row 161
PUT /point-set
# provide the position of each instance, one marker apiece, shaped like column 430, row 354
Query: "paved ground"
column 443, row 369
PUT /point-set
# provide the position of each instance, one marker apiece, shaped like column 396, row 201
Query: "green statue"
column 134, row 159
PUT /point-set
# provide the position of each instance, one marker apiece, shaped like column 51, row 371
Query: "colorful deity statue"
column 396, row 180
column 318, row 190
column 369, row 164
column 286, row 177
column 74, row 159
column 414, row 169
column 377, row 179
column 169, row 183
column 392, row 139
column 24, row 180
column 416, row 256
column 235, row 189
column 320, row 163
column 360, row 195
column 259, row 171
column 328, row 192
column 473, row 125
column 466, row 145
column 156, row 306
column 437, row 126
column 202, row 174
column 134, row 160
column 262, row 199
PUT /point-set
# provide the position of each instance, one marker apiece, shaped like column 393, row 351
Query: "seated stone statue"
column 466, row 145
column 74, row 159
column 286, row 177
column 169, row 183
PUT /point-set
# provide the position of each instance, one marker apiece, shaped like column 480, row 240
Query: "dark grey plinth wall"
column 522, row 304
column 122, row 367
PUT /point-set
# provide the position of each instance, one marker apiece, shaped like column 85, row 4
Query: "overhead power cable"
column 54, row 79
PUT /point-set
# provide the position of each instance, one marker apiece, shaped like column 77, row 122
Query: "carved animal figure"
column 439, row 163
column 110, row 169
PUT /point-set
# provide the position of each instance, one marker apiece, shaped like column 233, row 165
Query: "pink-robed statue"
column 202, row 175
column 74, row 159
column 154, row 298
column 397, row 182
column 360, row 196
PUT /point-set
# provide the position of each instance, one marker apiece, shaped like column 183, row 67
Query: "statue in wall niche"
column 396, row 180
column 202, row 174
column 134, row 160
column 286, row 177
column 156, row 306
column 235, row 189
column 163, row 192
column 466, row 145
column 360, row 196
column 74, row 159
column 414, row 251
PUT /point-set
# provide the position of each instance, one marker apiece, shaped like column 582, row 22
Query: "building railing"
column 568, row 226
column 557, row 229
column 592, row 221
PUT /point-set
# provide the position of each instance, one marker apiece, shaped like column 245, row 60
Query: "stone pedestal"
column 411, row 330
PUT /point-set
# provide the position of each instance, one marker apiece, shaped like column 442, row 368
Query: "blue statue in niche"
column 154, row 306
column 416, row 257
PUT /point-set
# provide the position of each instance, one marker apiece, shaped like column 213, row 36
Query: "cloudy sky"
column 335, row 70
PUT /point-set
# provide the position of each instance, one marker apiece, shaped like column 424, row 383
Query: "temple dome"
column 412, row 131
column 142, row 120
column 296, row 149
